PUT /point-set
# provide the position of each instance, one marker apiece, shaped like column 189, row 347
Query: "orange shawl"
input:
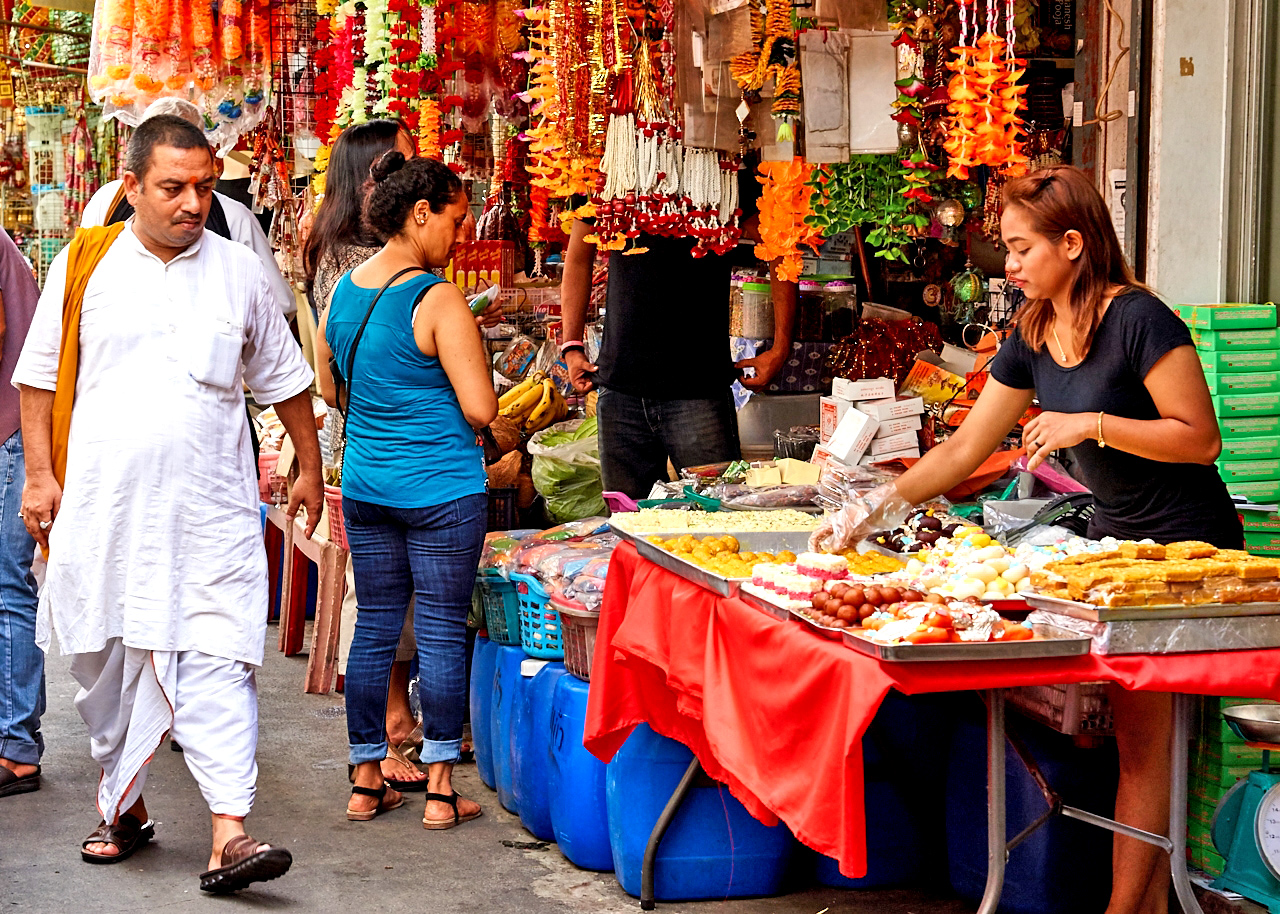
column 87, row 249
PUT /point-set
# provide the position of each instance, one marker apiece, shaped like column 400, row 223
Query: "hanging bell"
column 908, row 134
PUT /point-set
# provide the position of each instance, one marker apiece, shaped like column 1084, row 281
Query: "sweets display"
column 666, row 520
column 889, row 615
column 1139, row 574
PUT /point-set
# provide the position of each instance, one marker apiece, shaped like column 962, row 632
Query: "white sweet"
column 1000, row 564
column 1014, row 573
column 984, row 573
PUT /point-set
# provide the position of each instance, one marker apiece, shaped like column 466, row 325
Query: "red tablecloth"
column 777, row 713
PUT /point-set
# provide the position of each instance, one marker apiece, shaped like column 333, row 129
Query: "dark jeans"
column 638, row 435
column 431, row 554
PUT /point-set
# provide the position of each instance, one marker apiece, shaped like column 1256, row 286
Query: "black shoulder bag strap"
column 344, row 401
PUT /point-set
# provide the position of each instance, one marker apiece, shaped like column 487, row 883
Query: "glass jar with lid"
column 809, row 310
column 839, row 309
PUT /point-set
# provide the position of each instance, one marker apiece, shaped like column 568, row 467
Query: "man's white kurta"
column 158, row 539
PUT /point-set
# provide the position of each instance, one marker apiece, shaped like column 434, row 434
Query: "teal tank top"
column 408, row 444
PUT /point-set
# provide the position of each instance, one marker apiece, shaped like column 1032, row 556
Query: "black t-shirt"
column 1136, row 498
column 666, row 324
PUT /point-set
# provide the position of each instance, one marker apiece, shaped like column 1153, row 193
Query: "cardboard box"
column 1231, row 470
column 853, row 436
column 1263, row 491
column 1238, row 340
column 823, row 457
column 901, row 442
column 1242, row 382
column 1249, row 426
column 1246, row 405
column 891, row 455
column 1248, row 360
column 1265, row 448
column 1266, row 542
column 1236, row 316
column 892, row 408
column 898, row 426
column 830, row 411
column 865, row 389
column 1258, row 522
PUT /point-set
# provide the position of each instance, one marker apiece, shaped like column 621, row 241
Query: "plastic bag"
column 739, row 496
column 880, row 509
column 516, row 361
column 566, row 469
column 1051, row 473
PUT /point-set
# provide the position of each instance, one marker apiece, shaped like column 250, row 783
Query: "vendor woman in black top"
column 1121, row 387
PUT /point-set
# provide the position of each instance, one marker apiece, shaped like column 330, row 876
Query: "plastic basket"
column 501, row 607
column 578, row 633
column 502, row 509
column 337, row 529
column 1078, row 709
column 539, row 621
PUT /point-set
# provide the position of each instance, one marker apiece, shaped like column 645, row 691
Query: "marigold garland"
column 785, row 216
column 986, row 98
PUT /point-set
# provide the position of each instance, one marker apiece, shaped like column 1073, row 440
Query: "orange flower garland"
column 151, row 25
column 986, row 101
column 202, row 46
column 118, row 41
column 428, row 129
column 784, row 207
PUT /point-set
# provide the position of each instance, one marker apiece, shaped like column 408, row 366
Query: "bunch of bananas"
column 533, row 404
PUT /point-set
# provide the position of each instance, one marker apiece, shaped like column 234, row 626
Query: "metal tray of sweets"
column 1091, row 613
column 835, row 634
column 1050, row 641
column 793, row 540
column 759, row 598
column 1173, row 636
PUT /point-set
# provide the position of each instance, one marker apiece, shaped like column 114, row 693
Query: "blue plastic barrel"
column 482, row 669
column 713, row 848
column 1065, row 866
column 579, row 818
column 531, row 749
column 506, row 688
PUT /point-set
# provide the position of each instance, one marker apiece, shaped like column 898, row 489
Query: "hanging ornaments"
column 773, row 54
column 986, row 98
column 785, row 216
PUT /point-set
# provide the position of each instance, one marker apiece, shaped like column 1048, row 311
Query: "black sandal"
column 128, row 834
column 440, row 824
column 365, row 815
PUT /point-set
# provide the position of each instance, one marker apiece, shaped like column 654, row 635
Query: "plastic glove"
column 880, row 509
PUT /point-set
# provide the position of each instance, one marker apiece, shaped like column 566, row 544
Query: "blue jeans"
column 21, row 662
column 637, row 435
column 431, row 554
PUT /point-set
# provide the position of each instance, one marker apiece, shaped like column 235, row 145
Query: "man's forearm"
column 37, row 430
column 300, row 422
column 575, row 282
column 784, row 308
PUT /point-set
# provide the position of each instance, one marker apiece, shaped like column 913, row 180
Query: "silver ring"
column 46, row 524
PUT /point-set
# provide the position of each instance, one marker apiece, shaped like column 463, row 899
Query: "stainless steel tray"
column 754, row 596
column 1053, row 642
column 795, row 540
column 835, row 634
column 1091, row 613
column 1174, row 636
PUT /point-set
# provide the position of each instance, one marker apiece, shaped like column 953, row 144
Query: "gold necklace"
column 1059, row 342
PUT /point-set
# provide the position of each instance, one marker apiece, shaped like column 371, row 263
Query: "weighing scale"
column 1246, row 824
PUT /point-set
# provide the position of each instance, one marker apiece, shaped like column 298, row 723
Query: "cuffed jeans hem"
column 446, row 750
column 368, row 752
column 20, row 751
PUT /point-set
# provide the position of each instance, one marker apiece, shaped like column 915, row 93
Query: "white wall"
column 1190, row 117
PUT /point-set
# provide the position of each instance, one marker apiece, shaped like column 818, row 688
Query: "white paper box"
column 830, row 411
column 898, row 426
column 891, row 408
column 853, row 435
column 884, row 458
column 902, row 442
column 866, row 389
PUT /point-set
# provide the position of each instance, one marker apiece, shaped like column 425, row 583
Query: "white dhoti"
column 130, row 698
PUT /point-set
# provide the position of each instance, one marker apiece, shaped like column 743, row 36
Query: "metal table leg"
column 660, row 828
column 1174, row 844
column 997, row 852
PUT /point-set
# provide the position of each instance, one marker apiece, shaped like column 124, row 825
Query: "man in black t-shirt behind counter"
column 664, row 368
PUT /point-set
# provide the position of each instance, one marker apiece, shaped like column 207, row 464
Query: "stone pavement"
column 387, row 866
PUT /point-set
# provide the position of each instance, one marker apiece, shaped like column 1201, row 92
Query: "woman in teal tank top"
column 418, row 386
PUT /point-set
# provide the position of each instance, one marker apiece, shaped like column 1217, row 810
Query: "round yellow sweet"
column 730, row 542
column 747, row 556
column 786, row 555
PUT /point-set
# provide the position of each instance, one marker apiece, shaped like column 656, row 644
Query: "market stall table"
column 778, row 714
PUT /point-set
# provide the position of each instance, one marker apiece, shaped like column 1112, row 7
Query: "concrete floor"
column 387, row 866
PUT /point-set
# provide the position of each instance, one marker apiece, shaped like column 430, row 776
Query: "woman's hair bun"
column 386, row 165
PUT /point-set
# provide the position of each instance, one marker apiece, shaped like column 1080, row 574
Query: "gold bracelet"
column 1102, row 442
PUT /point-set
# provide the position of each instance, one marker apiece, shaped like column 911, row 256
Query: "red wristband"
column 572, row 344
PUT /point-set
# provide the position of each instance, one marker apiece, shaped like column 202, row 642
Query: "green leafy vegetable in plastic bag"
column 566, row 470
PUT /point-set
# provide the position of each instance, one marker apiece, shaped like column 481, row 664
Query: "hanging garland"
column 773, row 54
column 785, row 216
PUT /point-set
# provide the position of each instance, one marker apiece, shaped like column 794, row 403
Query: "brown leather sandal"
column 243, row 864
column 128, row 834
column 365, row 815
